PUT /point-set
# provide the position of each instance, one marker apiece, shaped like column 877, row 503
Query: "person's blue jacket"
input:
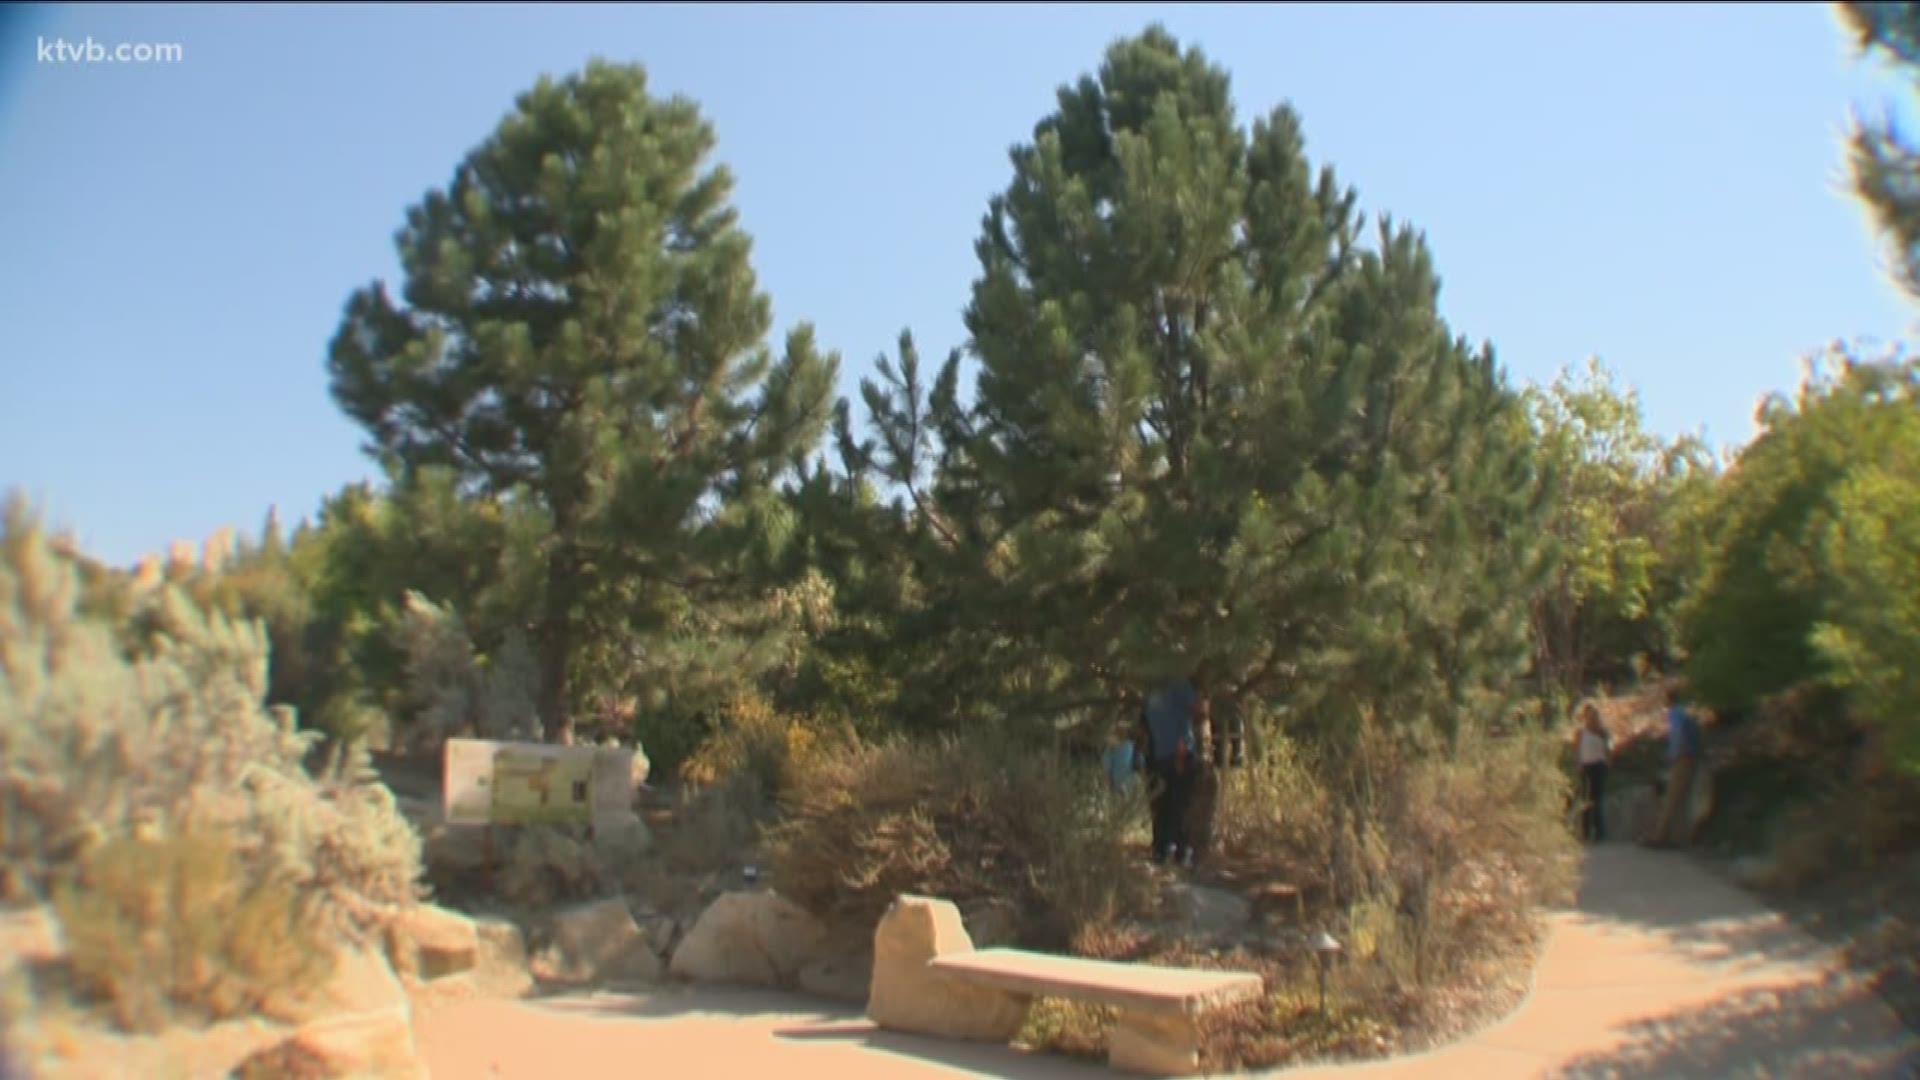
column 1683, row 734
column 1170, row 721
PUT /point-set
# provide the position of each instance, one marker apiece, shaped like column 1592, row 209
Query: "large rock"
column 428, row 942
column 1208, row 911
column 906, row 996
column 749, row 939
column 596, row 942
column 361, row 983
column 621, row 836
column 359, row 1023
column 367, row 1046
column 503, row 955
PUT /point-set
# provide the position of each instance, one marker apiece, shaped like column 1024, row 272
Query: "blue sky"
column 1658, row 186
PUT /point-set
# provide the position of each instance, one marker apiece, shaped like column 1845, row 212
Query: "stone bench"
column 928, row 979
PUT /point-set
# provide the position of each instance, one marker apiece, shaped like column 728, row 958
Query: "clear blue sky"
column 1657, row 186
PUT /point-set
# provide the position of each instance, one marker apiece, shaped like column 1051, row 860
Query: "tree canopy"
column 580, row 331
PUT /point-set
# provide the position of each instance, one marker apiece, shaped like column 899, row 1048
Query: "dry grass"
column 962, row 820
column 1430, row 864
column 1369, row 1012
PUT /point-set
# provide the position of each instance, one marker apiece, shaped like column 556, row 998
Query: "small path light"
column 1326, row 950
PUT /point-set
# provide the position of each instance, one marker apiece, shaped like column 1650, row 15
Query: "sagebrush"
column 99, row 742
column 156, row 922
column 961, row 819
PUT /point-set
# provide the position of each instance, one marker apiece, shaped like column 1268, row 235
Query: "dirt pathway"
column 1662, row 970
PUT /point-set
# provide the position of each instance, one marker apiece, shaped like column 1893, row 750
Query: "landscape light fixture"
column 1326, row 950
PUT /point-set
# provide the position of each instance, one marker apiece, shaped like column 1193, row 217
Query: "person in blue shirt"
column 1683, row 758
column 1172, row 760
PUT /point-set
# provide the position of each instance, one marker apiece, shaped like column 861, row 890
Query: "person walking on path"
column 1595, row 748
column 1683, row 759
column 1172, row 760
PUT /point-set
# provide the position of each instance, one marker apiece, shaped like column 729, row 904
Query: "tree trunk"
column 556, row 646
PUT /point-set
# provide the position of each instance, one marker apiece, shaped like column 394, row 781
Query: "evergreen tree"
column 1213, row 433
column 580, row 330
column 1885, row 164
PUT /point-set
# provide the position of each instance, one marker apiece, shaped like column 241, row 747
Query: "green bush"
column 1815, row 564
column 958, row 819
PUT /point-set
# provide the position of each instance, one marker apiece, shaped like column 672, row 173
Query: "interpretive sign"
column 511, row 783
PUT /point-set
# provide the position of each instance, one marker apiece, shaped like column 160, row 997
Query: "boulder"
column 372, row 1046
column 287, row 1060
column 358, row 1023
column 749, row 939
column 427, row 942
column 596, row 942
column 905, row 996
column 361, row 983
column 503, row 955
column 621, row 836
column 1209, row 911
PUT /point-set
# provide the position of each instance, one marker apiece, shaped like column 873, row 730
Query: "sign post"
column 490, row 783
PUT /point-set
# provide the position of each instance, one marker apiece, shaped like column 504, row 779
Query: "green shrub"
column 957, row 819
column 98, row 745
column 153, row 923
column 751, row 739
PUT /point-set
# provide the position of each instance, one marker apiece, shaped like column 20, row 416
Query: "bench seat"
column 1124, row 986
column 1157, row 1033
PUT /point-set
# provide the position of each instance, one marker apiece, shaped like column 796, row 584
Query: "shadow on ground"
column 1800, row 1031
column 982, row 1059
column 1710, row 920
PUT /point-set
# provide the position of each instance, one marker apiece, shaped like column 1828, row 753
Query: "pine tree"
column 580, row 329
column 1213, row 433
column 1885, row 164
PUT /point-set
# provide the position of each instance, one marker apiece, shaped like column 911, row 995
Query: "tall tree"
column 1214, row 432
column 1807, row 581
column 580, row 328
column 1885, row 164
column 1624, row 503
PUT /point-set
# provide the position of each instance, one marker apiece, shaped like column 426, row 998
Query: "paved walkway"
column 1662, row 972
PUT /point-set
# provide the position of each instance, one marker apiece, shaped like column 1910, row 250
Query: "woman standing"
column 1595, row 748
